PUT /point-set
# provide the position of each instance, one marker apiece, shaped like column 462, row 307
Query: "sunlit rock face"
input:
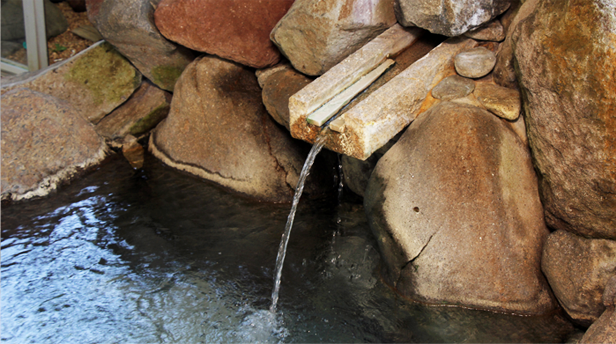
column 565, row 53
column 218, row 129
column 317, row 35
column 448, row 17
column 237, row 30
column 45, row 142
column 455, row 209
column 129, row 26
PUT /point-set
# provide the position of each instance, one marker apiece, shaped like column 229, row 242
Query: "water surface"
column 158, row 256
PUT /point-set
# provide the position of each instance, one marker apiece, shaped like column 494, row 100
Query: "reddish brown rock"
column 565, row 57
column 237, row 30
column 45, row 142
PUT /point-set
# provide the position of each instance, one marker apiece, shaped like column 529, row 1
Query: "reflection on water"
column 158, row 256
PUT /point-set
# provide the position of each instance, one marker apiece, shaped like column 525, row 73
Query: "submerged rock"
column 565, row 65
column 237, row 30
column 94, row 82
column 475, row 63
column 448, row 17
column 143, row 111
column 317, row 35
column 218, row 129
column 456, row 212
column 45, row 142
column 578, row 270
column 129, row 26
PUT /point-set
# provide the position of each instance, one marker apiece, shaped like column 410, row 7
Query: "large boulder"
column 218, row 129
column 317, row 35
column 45, row 142
column 94, row 82
column 129, row 26
column 448, row 17
column 456, row 212
column 578, row 270
column 565, row 53
column 237, row 30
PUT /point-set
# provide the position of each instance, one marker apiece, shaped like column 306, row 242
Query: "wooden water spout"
column 367, row 124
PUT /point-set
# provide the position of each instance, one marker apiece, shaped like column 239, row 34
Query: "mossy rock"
column 106, row 73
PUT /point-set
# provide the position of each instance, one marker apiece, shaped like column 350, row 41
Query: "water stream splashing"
column 282, row 250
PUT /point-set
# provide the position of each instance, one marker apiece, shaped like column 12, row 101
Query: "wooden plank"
column 325, row 112
column 351, row 69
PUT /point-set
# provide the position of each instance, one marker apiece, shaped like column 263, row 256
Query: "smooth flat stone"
column 501, row 101
column 453, row 87
column 475, row 63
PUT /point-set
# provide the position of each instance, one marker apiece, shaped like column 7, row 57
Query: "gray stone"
column 94, row 82
column 45, row 142
column 316, row 35
column 475, row 63
column 13, row 20
column 492, row 31
column 143, row 111
column 9, row 47
column 218, row 129
column 129, row 26
column 571, row 124
column 501, row 101
column 452, row 87
column 448, row 17
column 578, row 270
column 455, row 209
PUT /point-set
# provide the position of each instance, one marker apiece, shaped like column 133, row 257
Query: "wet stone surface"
column 453, row 87
column 475, row 63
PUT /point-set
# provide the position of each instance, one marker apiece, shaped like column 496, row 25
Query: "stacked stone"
column 500, row 195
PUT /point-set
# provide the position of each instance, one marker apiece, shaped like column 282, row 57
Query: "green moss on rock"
column 106, row 73
column 150, row 120
column 166, row 76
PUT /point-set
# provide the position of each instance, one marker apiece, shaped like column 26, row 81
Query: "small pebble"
column 453, row 87
column 475, row 63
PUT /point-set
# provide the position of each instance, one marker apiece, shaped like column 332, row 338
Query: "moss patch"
column 103, row 71
column 150, row 120
column 166, row 76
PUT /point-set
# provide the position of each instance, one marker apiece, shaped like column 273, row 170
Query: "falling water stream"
column 282, row 250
